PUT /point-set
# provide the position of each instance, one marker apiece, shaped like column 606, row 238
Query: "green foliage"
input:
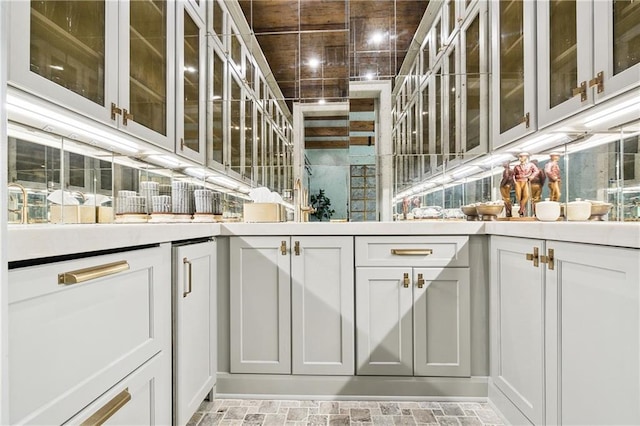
column 322, row 204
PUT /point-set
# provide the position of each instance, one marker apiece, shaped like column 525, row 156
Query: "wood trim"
column 362, row 140
column 326, row 144
column 361, row 126
column 325, row 131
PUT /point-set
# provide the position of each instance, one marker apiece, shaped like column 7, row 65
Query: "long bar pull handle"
column 189, row 267
column 420, row 281
column 412, row 252
column 86, row 274
column 109, row 409
column 296, row 248
column 405, row 280
column 283, row 248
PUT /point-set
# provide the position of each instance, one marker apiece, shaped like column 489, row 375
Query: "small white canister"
column 548, row 211
column 578, row 210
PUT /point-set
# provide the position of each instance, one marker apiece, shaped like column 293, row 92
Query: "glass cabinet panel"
column 217, row 108
column 424, row 120
column 563, row 52
column 452, row 95
column 191, row 84
column 234, row 124
column 248, row 137
column 67, row 45
column 438, row 151
column 511, row 55
column 472, row 85
column 616, row 46
column 259, row 160
column 148, row 64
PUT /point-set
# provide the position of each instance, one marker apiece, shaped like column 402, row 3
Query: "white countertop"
column 38, row 241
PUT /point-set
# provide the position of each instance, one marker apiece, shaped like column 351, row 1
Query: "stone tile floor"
column 334, row 413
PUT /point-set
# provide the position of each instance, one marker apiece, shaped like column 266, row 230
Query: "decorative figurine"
column 506, row 184
column 523, row 172
column 537, row 182
column 552, row 171
column 405, row 207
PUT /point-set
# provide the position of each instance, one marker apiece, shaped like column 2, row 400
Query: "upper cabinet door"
column 147, row 70
column 474, row 81
column 617, row 46
column 514, row 77
column 565, row 65
column 191, row 48
column 66, row 52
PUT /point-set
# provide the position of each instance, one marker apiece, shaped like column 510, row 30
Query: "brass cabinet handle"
column 283, row 248
column 548, row 259
column 109, row 409
column 405, row 280
column 296, row 248
column 86, row 274
column 598, row 81
column 534, row 257
column 115, row 110
column 420, row 281
column 412, row 252
column 187, row 262
column 526, row 119
column 126, row 116
column 581, row 90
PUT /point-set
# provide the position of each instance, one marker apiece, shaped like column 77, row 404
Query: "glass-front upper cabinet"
column 216, row 105
column 474, row 82
column 514, row 78
column 191, row 48
column 616, row 46
column 71, row 53
column 565, row 40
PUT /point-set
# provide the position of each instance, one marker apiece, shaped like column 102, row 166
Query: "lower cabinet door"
column 517, row 322
column 260, row 296
column 593, row 335
column 78, row 327
column 384, row 321
column 441, row 312
column 322, row 305
column 194, row 327
column 142, row 398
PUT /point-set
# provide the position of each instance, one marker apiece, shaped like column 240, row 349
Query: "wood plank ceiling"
column 315, row 47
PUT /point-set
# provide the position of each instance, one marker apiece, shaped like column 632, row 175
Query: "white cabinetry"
column 263, row 304
column 517, row 319
column 412, row 312
column 588, row 52
column 79, row 327
column 194, row 327
column 513, row 67
column 113, row 61
column 567, row 330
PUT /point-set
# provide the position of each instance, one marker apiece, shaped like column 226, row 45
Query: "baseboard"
column 504, row 408
column 275, row 386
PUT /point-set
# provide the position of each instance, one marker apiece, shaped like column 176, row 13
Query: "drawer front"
column 142, row 398
column 440, row 251
column 69, row 343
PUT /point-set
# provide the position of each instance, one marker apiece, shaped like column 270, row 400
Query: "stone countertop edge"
column 40, row 241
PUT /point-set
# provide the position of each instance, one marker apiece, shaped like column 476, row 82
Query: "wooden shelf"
column 73, row 42
column 145, row 89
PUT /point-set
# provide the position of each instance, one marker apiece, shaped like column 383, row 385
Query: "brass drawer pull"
column 412, row 252
column 534, row 257
column 86, row 274
column 405, row 280
column 109, row 409
column 283, row 248
column 296, row 248
column 189, row 264
column 126, row 116
column 420, row 281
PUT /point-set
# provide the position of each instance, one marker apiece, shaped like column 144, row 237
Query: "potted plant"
column 322, row 205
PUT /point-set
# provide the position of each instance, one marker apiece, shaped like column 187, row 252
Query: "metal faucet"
column 300, row 197
column 25, row 209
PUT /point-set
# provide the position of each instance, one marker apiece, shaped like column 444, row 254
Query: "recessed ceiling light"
column 314, row 63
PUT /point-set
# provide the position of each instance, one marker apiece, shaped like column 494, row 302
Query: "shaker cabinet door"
column 322, row 305
column 517, row 307
column 384, row 321
column 593, row 335
column 194, row 326
column 260, row 305
column 441, row 313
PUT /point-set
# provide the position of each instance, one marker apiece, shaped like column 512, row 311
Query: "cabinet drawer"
column 445, row 251
column 142, row 398
column 70, row 343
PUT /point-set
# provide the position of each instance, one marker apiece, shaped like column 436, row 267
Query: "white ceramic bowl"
column 548, row 211
column 578, row 210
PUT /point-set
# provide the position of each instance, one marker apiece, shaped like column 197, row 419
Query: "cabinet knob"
column 581, row 90
column 296, row 248
column 283, row 248
column 548, row 259
column 405, row 280
column 115, row 111
column 126, row 116
column 535, row 257
column 598, row 81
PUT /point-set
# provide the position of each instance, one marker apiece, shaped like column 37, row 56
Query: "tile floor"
column 334, row 413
